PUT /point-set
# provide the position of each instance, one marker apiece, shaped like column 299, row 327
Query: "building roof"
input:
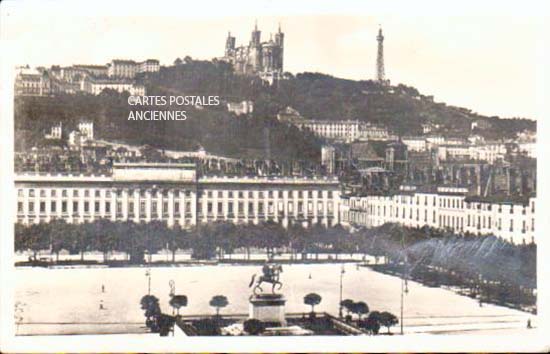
column 112, row 81
column 123, row 61
column 365, row 151
column 501, row 199
column 31, row 77
column 89, row 66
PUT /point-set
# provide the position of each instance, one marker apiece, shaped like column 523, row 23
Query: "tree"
column 133, row 241
column 218, row 302
column 314, row 237
column 80, row 240
column 336, row 238
column 178, row 301
column 165, row 323
column 58, row 231
column 19, row 235
column 243, row 239
column 223, row 234
column 312, row 299
column 360, row 308
column 176, row 239
column 372, row 324
column 104, row 239
column 347, row 304
column 253, row 326
column 299, row 240
column 35, row 238
column 271, row 236
column 203, row 243
column 156, row 232
column 150, row 304
column 388, row 320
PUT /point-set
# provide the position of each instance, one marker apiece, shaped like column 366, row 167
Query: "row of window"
column 96, row 192
column 270, row 207
column 264, row 194
column 444, row 220
column 86, row 207
column 382, row 212
column 164, row 192
column 448, row 203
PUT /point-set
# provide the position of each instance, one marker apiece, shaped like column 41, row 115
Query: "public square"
column 72, row 301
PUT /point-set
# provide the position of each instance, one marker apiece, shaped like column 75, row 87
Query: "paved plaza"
column 59, row 301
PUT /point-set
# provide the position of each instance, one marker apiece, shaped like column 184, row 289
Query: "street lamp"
column 148, row 275
column 404, row 285
column 172, row 285
column 342, row 271
column 404, row 290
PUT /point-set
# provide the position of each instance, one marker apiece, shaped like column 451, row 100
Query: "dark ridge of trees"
column 423, row 249
column 216, row 130
column 484, row 267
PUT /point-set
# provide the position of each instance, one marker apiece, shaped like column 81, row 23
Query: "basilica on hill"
column 264, row 59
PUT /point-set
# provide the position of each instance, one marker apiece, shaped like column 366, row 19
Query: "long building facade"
column 445, row 208
column 174, row 194
column 344, row 130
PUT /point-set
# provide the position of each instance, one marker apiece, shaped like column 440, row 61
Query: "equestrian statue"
column 270, row 275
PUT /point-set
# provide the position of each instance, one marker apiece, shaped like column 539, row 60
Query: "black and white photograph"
column 185, row 174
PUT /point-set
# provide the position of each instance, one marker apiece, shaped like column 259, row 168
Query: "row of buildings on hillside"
column 83, row 133
column 336, row 130
column 118, row 75
column 116, row 68
column 474, row 147
column 447, row 148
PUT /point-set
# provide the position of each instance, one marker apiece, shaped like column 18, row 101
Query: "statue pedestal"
column 268, row 308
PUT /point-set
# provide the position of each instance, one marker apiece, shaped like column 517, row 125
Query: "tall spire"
column 255, row 40
column 380, row 75
column 279, row 26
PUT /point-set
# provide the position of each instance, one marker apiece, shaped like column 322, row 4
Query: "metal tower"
column 380, row 76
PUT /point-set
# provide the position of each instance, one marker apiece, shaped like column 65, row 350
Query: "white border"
column 534, row 341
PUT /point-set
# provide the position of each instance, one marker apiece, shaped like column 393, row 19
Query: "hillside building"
column 264, row 59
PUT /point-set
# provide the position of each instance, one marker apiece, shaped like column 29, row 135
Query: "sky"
column 480, row 57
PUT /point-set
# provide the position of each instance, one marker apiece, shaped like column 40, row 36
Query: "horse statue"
column 270, row 275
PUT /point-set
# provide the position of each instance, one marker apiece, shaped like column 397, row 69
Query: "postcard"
column 273, row 176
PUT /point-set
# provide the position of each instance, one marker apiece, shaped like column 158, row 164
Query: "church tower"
column 380, row 75
column 254, row 64
column 229, row 45
column 256, row 34
column 280, row 42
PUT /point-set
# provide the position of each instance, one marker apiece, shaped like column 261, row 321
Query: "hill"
column 316, row 96
column 320, row 96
